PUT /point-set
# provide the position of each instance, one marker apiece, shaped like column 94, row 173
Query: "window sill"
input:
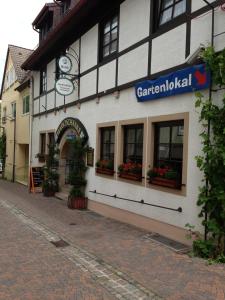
column 139, row 182
column 168, row 190
column 104, row 171
column 170, row 183
column 108, row 58
column 131, row 176
column 104, row 175
column 170, row 25
column 26, row 114
column 43, row 94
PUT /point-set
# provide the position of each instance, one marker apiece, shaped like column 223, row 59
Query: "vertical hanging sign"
column 63, row 85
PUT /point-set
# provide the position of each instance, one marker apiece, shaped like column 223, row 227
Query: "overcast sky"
column 16, row 18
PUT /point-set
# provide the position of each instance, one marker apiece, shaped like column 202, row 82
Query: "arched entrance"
column 68, row 130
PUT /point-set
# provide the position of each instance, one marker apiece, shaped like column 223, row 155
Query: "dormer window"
column 66, row 6
column 46, row 26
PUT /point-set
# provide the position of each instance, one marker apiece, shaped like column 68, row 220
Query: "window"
column 4, row 115
column 13, row 106
column 109, row 37
column 133, row 143
column 168, row 152
column 107, row 143
column 46, row 27
column 26, row 104
column 10, row 78
column 42, row 143
column 170, row 9
column 66, row 6
column 51, row 138
column 43, row 80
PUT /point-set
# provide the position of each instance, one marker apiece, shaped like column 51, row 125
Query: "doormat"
column 167, row 242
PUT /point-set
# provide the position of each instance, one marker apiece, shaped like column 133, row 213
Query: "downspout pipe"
column 14, row 151
column 210, row 99
column 31, row 126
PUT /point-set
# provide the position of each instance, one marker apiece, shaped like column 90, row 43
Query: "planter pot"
column 77, row 202
column 49, row 193
column 41, row 159
column 131, row 176
column 171, row 183
column 104, row 171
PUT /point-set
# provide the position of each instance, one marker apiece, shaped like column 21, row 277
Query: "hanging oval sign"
column 65, row 64
column 64, row 86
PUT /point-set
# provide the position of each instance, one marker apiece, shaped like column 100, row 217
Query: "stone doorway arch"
column 69, row 129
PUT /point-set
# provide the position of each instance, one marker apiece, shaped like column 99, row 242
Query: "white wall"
column 168, row 50
column 127, row 107
column 51, row 68
column 134, row 22
column 133, row 65
column 36, row 76
column 89, row 49
column 88, row 84
column 107, row 75
column 197, row 4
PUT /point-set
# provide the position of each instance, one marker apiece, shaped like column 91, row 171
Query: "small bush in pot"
column 51, row 177
column 76, row 199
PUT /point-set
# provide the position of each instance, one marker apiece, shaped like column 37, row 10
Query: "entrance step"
column 62, row 196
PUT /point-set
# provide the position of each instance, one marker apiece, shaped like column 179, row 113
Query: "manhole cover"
column 60, row 244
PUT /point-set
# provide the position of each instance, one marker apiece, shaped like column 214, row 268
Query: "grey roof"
column 19, row 55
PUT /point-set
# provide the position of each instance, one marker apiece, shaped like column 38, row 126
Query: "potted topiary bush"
column 76, row 198
column 51, row 177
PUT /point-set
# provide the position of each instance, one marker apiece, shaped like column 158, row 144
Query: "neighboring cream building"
column 15, row 95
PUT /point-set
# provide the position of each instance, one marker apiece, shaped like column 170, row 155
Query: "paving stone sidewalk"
column 156, row 268
column 31, row 268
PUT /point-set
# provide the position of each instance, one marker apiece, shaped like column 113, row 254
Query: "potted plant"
column 164, row 176
column 76, row 198
column 41, row 157
column 105, row 167
column 130, row 170
column 50, row 183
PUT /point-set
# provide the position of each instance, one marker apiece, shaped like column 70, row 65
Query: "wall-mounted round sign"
column 64, row 86
column 65, row 64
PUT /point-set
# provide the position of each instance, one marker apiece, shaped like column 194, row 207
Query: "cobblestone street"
column 98, row 259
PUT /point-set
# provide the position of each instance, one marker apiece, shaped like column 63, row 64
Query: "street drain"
column 174, row 245
column 60, row 244
column 72, row 224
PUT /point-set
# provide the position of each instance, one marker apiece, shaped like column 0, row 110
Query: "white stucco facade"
column 165, row 51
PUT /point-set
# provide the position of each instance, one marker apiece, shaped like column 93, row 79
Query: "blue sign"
column 183, row 81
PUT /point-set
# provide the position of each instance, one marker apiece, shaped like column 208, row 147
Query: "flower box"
column 130, row 176
column 171, row 183
column 105, row 171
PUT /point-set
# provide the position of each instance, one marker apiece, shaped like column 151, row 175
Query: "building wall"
column 20, row 126
column 8, row 97
column 138, row 59
column 126, row 108
column 22, row 139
